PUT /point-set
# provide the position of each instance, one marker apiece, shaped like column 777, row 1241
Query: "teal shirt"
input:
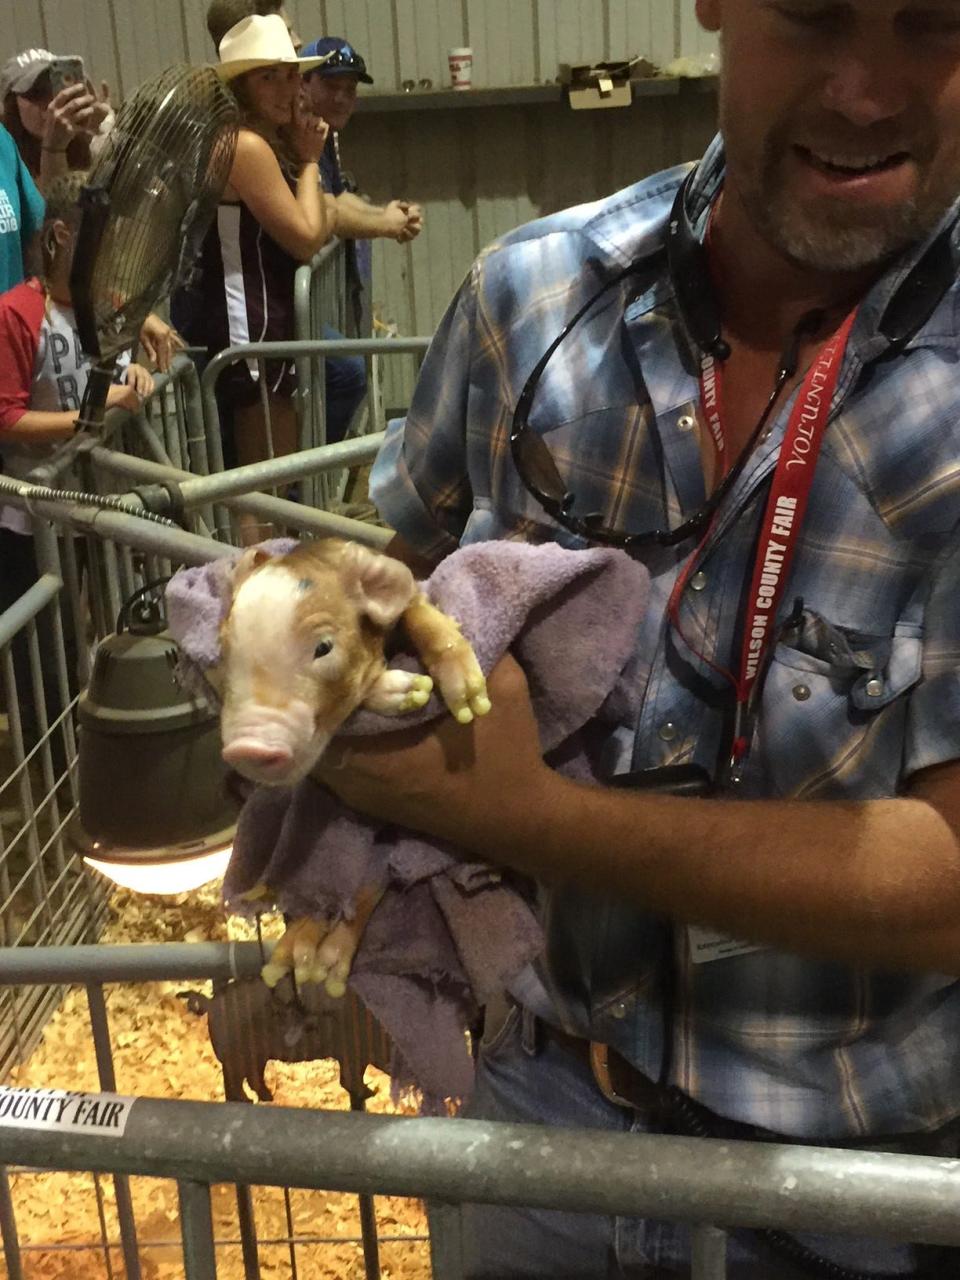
column 21, row 211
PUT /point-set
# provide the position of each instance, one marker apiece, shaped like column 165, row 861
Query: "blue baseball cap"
column 343, row 59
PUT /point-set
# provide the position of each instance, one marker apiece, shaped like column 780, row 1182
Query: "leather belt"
column 618, row 1081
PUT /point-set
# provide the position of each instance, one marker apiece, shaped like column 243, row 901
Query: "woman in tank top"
column 273, row 216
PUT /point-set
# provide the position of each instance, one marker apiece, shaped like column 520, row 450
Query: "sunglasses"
column 344, row 59
column 541, row 477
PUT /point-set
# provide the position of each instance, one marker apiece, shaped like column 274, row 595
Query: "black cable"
column 102, row 501
column 692, row 1120
column 123, row 617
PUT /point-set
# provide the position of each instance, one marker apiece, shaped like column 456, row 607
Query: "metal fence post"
column 446, row 1240
column 108, row 1083
column 708, row 1254
column 196, row 1226
column 8, row 1229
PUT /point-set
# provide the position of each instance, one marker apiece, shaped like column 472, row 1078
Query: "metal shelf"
column 517, row 95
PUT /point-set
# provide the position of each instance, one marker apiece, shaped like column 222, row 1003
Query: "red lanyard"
column 784, row 514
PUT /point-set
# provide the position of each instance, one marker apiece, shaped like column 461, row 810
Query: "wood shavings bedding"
column 161, row 1049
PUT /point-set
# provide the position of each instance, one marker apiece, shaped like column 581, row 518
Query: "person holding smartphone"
column 53, row 113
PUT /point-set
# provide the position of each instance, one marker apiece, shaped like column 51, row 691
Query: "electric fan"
column 145, row 210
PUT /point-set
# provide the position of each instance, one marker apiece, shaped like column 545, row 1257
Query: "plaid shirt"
column 862, row 692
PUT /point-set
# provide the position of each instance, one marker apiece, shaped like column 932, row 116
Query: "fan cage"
column 149, row 201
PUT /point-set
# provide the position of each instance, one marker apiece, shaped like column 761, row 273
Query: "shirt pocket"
column 834, row 708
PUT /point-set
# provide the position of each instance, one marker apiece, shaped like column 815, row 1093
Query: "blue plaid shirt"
column 861, row 693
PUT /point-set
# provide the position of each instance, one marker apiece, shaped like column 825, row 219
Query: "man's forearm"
column 358, row 220
column 875, row 882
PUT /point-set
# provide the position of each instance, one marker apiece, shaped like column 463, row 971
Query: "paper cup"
column 461, row 68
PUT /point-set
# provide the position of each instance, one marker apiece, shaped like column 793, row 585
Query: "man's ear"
column 709, row 14
column 383, row 587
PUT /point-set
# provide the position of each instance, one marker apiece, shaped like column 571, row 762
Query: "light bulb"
column 173, row 876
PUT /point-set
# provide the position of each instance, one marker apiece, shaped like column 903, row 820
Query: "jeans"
column 523, row 1077
column 346, row 385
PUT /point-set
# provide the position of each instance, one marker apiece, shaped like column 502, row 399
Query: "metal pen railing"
column 700, row 1182
column 316, row 488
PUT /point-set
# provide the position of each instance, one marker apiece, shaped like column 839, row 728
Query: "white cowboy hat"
column 260, row 41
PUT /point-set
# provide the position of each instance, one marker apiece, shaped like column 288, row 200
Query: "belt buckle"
column 600, row 1066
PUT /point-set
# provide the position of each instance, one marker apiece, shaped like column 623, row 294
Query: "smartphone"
column 65, row 72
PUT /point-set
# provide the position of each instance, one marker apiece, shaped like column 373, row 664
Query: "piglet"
column 302, row 647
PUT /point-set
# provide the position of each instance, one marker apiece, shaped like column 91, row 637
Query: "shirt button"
column 874, row 688
column 668, row 731
column 698, row 581
column 801, row 692
column 686, row 422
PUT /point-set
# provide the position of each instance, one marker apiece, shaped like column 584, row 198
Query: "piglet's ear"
column 244, row 565
column 383, row 587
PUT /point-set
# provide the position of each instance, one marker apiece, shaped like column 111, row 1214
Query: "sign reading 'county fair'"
column 103, row 1114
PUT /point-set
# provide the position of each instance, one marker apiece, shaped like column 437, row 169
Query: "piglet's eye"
column 323, row 648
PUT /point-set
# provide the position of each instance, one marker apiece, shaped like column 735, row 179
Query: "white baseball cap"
column 260, row 41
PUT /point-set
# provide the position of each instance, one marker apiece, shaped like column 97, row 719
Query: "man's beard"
column 824, row 238
column 831, row 235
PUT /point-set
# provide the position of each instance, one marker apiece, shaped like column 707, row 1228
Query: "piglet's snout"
column 248, row 752
column 265, row 744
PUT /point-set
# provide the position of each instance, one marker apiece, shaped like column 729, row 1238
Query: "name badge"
column 707, row 945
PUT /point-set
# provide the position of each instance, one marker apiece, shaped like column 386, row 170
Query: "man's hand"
column 414, row 223
column 160, row 342
column 395, row 219
column 456, row 782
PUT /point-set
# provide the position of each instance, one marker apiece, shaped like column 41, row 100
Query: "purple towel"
column 447, row 933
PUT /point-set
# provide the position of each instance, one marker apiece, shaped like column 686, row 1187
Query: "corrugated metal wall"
column 514, row 41
column 478, row 170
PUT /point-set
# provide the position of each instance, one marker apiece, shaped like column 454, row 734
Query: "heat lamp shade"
column 151, row 779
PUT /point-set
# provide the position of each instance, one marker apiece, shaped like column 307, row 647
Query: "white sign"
column 707, row 945
column 101, row 1114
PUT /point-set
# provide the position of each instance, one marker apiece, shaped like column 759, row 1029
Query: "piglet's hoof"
column 321, row 952
column 397, row 692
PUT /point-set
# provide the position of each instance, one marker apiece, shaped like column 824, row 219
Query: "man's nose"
column 866, row 91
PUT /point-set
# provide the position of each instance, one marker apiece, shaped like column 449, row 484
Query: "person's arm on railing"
column 299, row 223
column 42, row 426
column 358, row 219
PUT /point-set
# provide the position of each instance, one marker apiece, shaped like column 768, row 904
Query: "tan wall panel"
column 645, row 27
column 85, row 27
column 24, row 26
column 500, row 33
column 482, row 172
